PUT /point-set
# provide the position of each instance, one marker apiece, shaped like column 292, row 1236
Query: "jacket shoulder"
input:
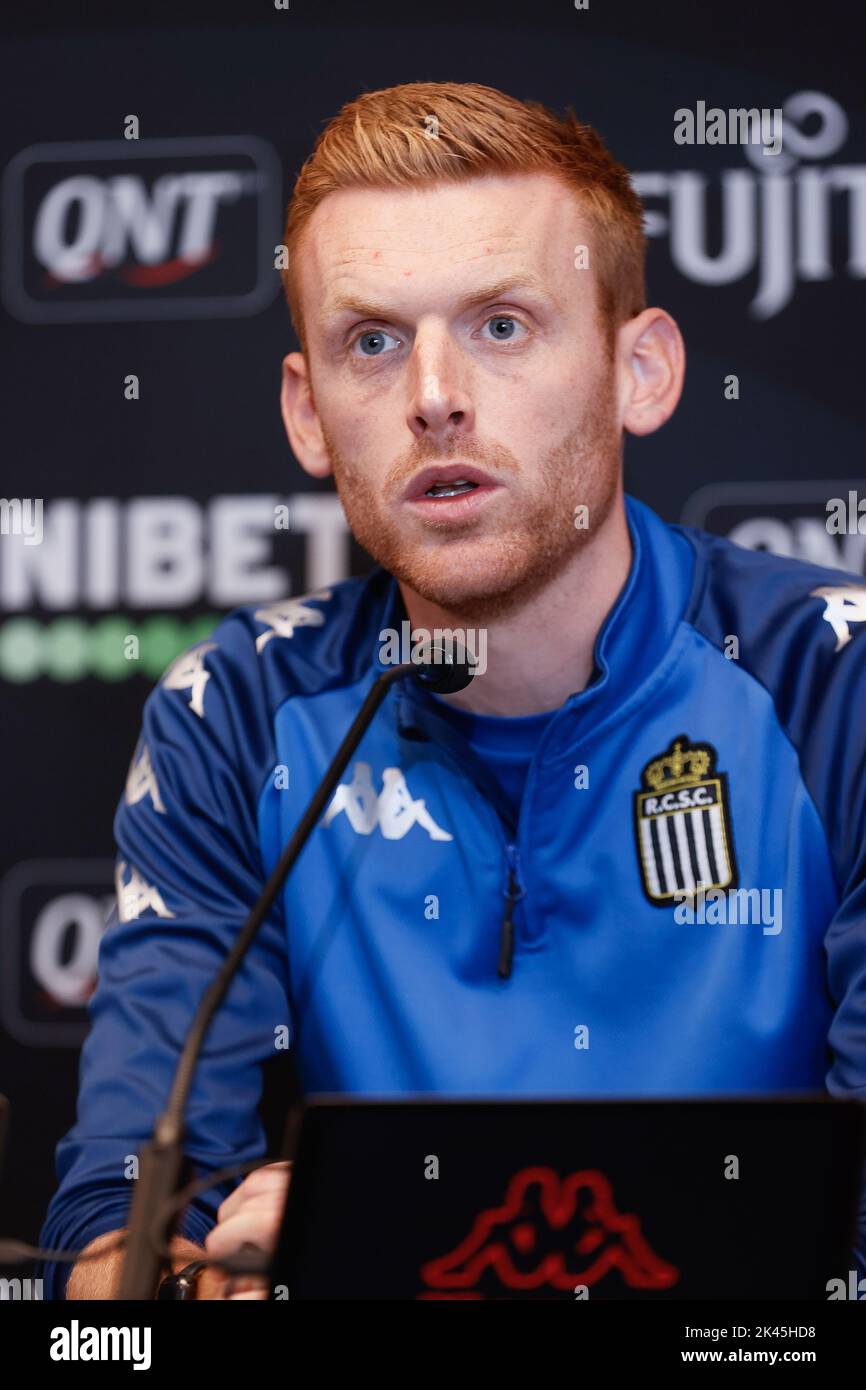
column 776, row 605
column 220, row 696
column 301, row 644
column 800, row 631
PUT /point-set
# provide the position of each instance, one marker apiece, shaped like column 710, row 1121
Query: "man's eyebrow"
column 499, row 289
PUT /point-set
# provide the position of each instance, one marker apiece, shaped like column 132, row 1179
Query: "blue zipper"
column 514, row 891
column 515, row 888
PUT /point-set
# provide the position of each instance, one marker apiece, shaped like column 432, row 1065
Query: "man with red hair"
column 555, row 881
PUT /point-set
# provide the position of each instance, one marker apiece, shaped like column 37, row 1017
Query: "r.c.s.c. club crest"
column 683, row 823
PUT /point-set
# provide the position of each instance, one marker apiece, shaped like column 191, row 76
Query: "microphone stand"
column 161, row 1158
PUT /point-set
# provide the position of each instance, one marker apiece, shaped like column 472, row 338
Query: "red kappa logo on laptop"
column 550, row 1232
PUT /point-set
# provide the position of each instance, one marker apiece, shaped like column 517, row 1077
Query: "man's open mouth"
column 450, row 489
column 444, row 481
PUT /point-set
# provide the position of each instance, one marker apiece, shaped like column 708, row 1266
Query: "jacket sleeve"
column 803, row 636
column 188, row 871
column 845, row 944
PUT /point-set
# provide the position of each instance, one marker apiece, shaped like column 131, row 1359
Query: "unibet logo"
column 101, row 558
column 171, row 551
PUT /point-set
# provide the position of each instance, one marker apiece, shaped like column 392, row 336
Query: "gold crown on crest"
column 678, row 767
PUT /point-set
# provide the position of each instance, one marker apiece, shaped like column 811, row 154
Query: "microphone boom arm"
column 161, row 1157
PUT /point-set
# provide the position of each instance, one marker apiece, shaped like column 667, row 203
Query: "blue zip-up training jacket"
column 429, row 942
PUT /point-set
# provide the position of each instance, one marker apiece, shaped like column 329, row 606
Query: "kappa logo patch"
column 843, row 604
column 683, row 823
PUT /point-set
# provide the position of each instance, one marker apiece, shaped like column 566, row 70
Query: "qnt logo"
column 150, row 229
column 54, row 912
column 790, row 517
column 549, row 1233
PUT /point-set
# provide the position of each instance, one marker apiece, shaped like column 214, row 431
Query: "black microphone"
column 442, row 668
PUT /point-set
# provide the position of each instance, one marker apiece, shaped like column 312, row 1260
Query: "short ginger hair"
column 385, row 140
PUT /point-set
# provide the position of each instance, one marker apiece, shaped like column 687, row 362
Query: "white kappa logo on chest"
column 393, row 809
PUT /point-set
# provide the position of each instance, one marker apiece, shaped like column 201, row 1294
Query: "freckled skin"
column 490, row 351
column 538, row 410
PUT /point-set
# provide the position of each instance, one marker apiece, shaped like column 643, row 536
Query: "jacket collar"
column 632, row 645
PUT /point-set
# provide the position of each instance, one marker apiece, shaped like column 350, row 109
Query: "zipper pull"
column 513, row 893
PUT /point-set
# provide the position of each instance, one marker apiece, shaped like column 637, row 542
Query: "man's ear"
column 652, row 361
column 301, row 419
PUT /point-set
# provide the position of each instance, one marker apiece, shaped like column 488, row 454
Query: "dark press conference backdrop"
column 153, row 259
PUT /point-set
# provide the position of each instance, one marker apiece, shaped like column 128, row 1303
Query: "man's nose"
column 439, row 391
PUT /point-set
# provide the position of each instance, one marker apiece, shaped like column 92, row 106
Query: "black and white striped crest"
column 682, row 823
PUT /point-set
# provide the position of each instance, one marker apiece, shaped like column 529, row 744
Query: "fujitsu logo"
column 776, row 220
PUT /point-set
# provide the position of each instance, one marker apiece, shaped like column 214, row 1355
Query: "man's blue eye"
column 502, row 321
column 375, row 340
